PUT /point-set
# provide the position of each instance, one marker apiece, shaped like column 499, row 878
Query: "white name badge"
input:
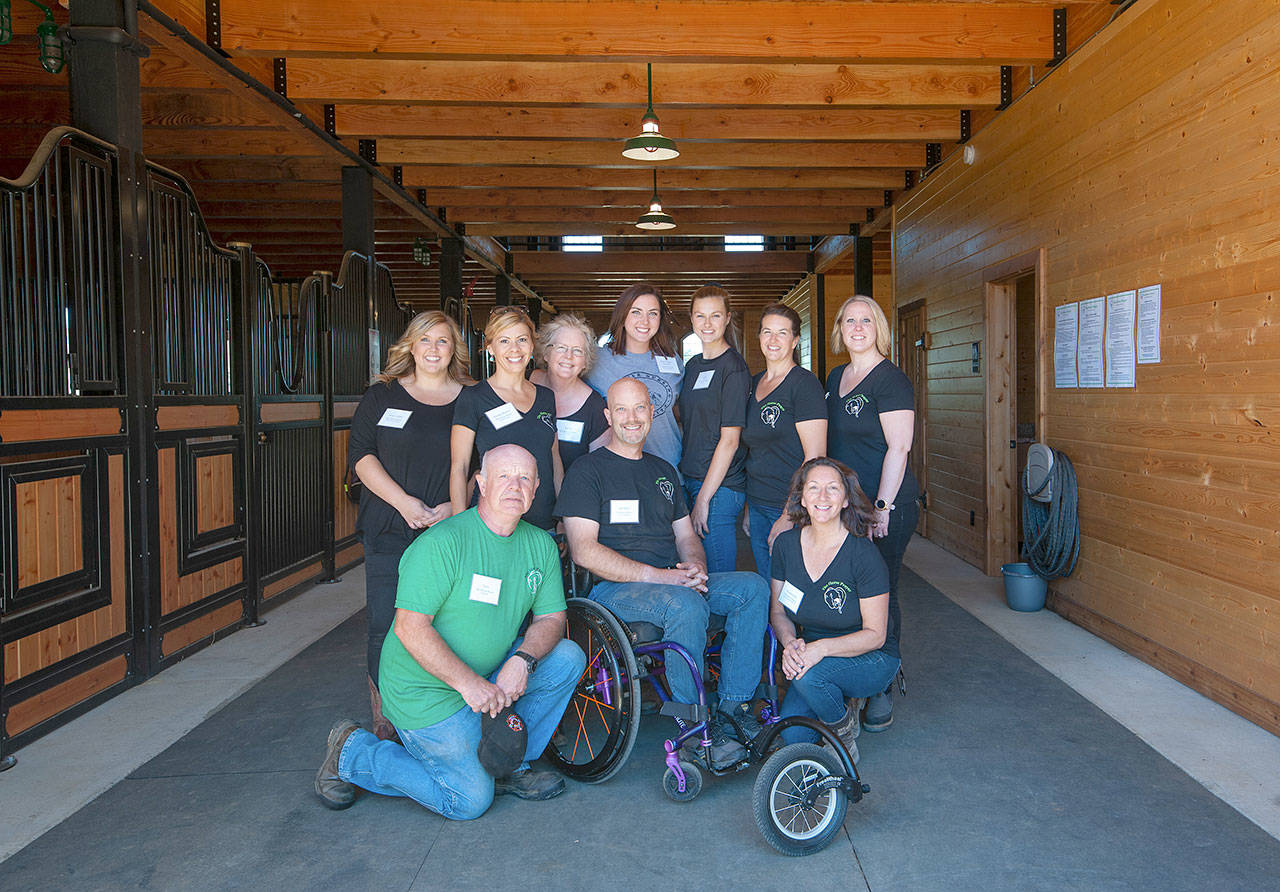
column 485, row 589
column 624, row 511
column 668, row 365
column 704, row 380
column 790, row 596
column 569, row 431
column 502, row 416
column 394, row 418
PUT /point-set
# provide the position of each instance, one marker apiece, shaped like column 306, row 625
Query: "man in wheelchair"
column 627, row 522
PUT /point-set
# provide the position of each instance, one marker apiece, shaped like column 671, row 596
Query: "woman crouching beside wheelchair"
column 830, row 603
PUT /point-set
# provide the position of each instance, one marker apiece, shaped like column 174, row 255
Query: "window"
column 690, row 347
column 582, row 243
column 744, row 242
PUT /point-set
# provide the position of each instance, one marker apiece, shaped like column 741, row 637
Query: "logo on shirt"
column 836, row 594
column 854, row 404
column 545, row 418
column 666, row 488
column 770, row 413
column 533, row 580
column 661, row 393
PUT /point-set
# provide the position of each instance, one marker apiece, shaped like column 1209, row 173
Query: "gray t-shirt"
column 664, row 387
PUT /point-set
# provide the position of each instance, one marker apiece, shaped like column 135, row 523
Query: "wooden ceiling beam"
column 431, row 177
column 629, row 231
column 516, row 122
column 608, row 154
column 640, row 29
column 630, row 198
column 528, row 84
column 684, row 216
column 175, row 142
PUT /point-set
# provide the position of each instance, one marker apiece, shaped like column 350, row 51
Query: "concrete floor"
column 996, row 775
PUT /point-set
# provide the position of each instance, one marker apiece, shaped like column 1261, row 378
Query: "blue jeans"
column 682, row 613
column 721, row 541
column 820, row 693
column 437, row 766
column 762, row 518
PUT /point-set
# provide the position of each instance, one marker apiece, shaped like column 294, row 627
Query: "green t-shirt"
column 479, row 586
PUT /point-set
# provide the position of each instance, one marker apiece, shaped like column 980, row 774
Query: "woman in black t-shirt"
column 871, row 409
column 713, row 411
column 566, row 349
column 786, row 425
column 830, row 580
column 398, row 447
column 506, row 408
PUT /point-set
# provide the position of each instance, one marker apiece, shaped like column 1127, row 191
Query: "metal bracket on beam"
column 1006, row 86
column 213, row 25
column 1059, row 36
column 910, row 179
column 932, row 155
column 397, row 175
column 368, row 149
column 422, row 197
column 280, row 79
column 331, row 120
column 871, row 216
column 966, row 125
column 888, row 198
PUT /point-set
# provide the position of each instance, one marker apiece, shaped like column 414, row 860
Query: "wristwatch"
column 529, row 661
column 882, row 505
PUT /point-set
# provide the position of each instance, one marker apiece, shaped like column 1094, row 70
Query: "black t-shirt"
column 773, row 446
column 713, row 395
column 829, row 605
column 411, row 441
column 576, row 432
column 635, row 501
column 482, row 410
column 854, row 435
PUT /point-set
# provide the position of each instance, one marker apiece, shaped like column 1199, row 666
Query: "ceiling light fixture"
column 51, row 54
column 422, row 251
column 650, row 145
column 656, row 219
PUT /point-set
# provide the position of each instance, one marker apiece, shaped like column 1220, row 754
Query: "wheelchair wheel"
column 788, row 822
column 692, row 783
column 600, row 724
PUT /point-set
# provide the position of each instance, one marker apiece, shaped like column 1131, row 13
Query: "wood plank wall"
column 1149, row 156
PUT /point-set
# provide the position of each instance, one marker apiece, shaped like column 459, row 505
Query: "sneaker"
column 334, row 792
column 530, row 783
column 740, row 723
column 847, row 728
column 879, row 712
column 725, row 751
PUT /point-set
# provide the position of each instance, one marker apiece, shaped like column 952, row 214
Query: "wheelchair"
column 802, row 791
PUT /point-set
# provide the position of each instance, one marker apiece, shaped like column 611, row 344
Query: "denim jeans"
column 682, row 613
column 721, row 541
column 437, row 766
column 762, row 519
column 820, row 693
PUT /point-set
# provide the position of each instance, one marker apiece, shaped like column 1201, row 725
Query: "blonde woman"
column 507, row 408
column 567, row 351
column 398, row 447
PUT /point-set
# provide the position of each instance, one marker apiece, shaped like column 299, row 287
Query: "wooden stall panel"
column 181, row 590
column 344, row 510
column 32, row 425
column 47, row 704
column 1179, row 476
column 49, row 529
column 215, row 492
column 188, row 633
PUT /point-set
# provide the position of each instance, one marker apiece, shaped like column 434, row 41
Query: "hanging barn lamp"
column 656, row 219
column 650, row 145
column 51, row 55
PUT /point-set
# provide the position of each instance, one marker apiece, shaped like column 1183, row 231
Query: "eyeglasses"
column 563, row 349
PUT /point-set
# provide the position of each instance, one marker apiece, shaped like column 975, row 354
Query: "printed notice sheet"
column 1089, row 349
column 1149, row 324
column 1066, row 331
column 1121, row 317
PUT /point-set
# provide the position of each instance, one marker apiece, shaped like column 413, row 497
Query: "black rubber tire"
column 692, row 783
column 594, row 739
column 790, row 828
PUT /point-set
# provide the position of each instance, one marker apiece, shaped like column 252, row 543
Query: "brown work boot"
column 848, row 727
column 381, row 727
column 334, row 792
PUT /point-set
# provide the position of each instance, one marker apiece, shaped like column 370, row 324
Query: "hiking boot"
column 725, row 751
column 334, row 792
column 847, row 728
column 534, row 784
column 879, row 712
column 740, row 722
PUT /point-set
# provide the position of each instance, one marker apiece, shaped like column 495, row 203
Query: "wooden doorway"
column 1014, row 376
column 912, row 359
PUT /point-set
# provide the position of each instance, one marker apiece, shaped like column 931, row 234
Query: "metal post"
column 502, row 290
column 862, row 277
column 820, row 314
column 324, row 335
column 245, row 307
column 451, row 259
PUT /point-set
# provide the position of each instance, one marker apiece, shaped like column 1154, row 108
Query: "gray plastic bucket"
column 1023, row 589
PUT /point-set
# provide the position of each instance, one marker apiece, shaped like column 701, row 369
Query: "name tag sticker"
column 704, row 380
column 624, row 511
column 668, row 365
column 569, row 431
column 790, row 597
column 394, row 418
column 485, row 589
column 502, row 416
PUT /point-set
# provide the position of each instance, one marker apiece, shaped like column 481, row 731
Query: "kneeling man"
column 627, row 522
column 452, row 655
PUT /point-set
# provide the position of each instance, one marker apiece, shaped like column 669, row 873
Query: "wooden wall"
column 1149, row 156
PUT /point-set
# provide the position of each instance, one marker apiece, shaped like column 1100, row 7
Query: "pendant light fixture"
column 656, row 219
column 650, row 145
column 51, row 55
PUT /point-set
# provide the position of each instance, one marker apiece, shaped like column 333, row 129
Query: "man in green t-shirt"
column 453, row 654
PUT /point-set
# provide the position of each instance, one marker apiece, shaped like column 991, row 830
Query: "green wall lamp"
column 51, row 55
column 422, row 251
column 656, row 219
column 650, row 145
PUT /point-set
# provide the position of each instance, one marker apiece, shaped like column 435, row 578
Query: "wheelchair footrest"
column 690, row 713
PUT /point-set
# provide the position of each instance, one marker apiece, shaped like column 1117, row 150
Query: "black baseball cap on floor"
column 503, row 741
